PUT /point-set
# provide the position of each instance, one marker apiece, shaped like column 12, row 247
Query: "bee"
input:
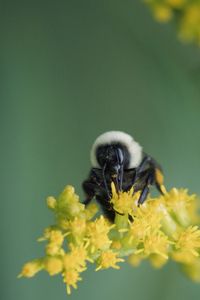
column 117, row 157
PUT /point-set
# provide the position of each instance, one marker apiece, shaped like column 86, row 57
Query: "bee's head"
column 114, row 149
column 112, row 157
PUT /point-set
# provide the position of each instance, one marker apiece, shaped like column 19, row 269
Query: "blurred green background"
column 71, row 70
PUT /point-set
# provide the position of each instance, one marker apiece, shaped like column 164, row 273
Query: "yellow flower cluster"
column 162, row 228
column 185, row 12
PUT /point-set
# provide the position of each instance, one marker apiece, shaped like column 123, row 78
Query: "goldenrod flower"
column 77, row 228
column 176, row 3
column 187, row 245
column 135, row 259
column 51, row 202
column 193, row 270
column 178, row 202
column 68, row 205
column 108, row 259
column 97, row 234
column 186, row 14
column 56, row 237
column 124, row 202
column 31, row 268
column 157, row 261
column 190, row 23
column 162, row 12
column 146, row 221
column 156, row 243
column 162, row 228
column 53, row 265
column 76, row 258
column 90, row 211
column 52, row 249
column 71, row 278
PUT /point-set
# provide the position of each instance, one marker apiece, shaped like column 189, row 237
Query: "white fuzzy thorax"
column 111, row 137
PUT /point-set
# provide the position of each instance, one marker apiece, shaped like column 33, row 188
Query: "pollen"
column 159, row 176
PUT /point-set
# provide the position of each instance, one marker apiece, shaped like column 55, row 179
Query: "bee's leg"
column 150, row 163
column 143, row 195
column 148, row 183
column 136, row 172
column 89, row 189
column 154, row 177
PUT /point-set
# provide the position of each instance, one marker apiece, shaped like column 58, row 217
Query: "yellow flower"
column 156, row 243
column 193, row 270
column 52, row 249
column 97, row 234
column 135, row 259
column 178, row 202
column 162, row 227
column 68, row 204
column 187, row 245
column 91, row 211
column 116, row 245
column 176, row 3
column 77, row 228
column 157, row 261
column 76, row 258
column 147, row 219
column 190, row 24
column 124, row 202
column 71, row 278
column 56, row 237
column 108, row 259
column 162, row 12
column 31, row 268
column 186, row 14
column 53, row 265
column 51, row 202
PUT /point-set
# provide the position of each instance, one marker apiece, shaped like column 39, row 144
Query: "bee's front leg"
column 89, row 189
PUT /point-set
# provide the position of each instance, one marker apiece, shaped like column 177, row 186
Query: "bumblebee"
column 117, row 157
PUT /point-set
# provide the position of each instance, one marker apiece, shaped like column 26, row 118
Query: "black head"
column 112, row 156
